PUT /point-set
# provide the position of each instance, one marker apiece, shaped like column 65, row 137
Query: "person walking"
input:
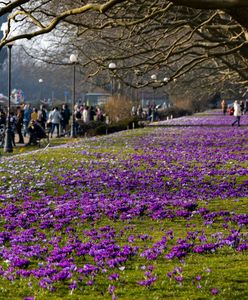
column 55, row 117
column 237, row 112
column 66, row 114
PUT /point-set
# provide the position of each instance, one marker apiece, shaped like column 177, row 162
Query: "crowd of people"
column 34, row 123
column 28, row 121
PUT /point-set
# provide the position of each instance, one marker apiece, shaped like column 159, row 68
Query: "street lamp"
column 8, row 147
column 112, row 68
column 41, row 82
column 154, row 79
column 139, row 75
column 74, row 61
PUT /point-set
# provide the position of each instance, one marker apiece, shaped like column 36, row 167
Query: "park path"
column 211, row 118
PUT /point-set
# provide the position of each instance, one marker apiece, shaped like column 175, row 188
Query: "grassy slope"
column 228, row 273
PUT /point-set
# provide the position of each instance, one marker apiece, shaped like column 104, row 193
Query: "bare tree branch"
column 211, row 4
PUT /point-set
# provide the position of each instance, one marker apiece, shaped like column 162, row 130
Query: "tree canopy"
column 200, row 38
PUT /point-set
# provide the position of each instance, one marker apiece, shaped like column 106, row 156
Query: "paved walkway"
column 26, row 139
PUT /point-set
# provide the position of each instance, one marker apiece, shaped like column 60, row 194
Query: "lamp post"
column 154, row 79
column 73, row 60
column 139, row 75
column 8, row 147
column 165, row 81
column 112, row 68
column 40, row 82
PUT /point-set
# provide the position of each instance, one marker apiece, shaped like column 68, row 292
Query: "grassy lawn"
column 151, row 213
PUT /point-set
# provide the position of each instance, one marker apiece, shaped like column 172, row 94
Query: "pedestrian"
column 149, row 112
column 237, row 112
column 133, row 111
column 2, row 118
column 19, row 125
column 246, row 106
column 34, row 114
column 224, row 106
column 66, row 114
column 42, row 116
column 242, row 107
column 13, row 121
column 86, row 115
column 92, row 113
column 55, row 117
column 99, row 114
column 78, row 116
column 139, row 111
column 26, row 118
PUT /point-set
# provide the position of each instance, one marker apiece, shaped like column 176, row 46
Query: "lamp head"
column 154, row 77
column 112, row 66
column 73, row 58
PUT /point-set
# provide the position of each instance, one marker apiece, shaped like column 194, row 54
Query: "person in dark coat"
column 19, row 125
column 66, row 114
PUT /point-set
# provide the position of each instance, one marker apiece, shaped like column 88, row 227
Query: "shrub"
column 174, row 111
column 92, row 128
column 118, row 108
column 99, row 128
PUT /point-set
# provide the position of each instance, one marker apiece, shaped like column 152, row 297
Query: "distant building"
column 93, row 99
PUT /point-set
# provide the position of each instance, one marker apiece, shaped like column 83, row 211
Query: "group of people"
column 16, row 124
column 238, row 109
column 85, row 113
column 41, row 123
column 149, row 113
column 25, row 121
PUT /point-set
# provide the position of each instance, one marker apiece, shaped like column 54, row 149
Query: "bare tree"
column 171, row 38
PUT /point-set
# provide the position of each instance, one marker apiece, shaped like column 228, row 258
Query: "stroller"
column 37, row 133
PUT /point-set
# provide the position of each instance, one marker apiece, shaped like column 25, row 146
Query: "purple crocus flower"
column 214, row 291
column 73, row 285
column 148, row 281
column 113, row 276
column 111, row 289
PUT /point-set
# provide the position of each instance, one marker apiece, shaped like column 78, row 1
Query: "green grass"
column 225, row 270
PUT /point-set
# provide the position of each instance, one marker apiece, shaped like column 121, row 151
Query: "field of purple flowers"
column 150, row 213
column 214, row 118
